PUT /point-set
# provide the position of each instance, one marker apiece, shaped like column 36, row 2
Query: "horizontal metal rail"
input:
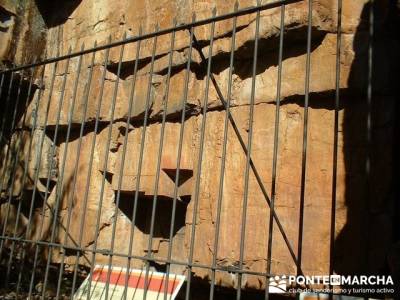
column 139, row 257
column 178, row 27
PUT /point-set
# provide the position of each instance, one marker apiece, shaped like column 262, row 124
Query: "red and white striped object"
column 133, row 284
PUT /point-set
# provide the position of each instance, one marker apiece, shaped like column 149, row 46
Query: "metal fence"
column 21, row 253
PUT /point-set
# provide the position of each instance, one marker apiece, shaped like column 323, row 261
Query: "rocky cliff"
column 90, row 179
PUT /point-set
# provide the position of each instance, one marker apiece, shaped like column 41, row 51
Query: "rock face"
column 22, row 32
column 74, row 134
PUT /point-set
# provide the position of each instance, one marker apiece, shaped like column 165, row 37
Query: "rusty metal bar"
column 275, row 152
column 335, row 136
column 305, row 140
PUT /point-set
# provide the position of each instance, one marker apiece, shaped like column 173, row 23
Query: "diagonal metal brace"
column 197, row 46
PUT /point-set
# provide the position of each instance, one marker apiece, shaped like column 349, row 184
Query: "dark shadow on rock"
column 56, row 13
column 267, row 53
column 15, row 98
column 370, row 137
column 267, row 56
column 162, row 218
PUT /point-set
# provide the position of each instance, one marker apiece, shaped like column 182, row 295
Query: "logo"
column 277, row 284
column 330, row 284
column 340, row 280
column 335, row 279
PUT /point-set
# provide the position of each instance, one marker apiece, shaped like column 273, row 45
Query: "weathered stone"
column 107, row 20
column 7, row 23
column 323, row 59
column 318, row 192
column 100, row 185
column 22, row 32
column 29, row 159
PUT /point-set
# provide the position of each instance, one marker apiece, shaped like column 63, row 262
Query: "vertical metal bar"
column 37, row 166
column 248, row 154
column 60, row 179
column 38, row 157
column 104, row 168
column 90, row 165
column 8, row 150
column 24, row 172
column 143, row 137
column 200, row 159
column 156, row 183
column 223, row 156
column 3, row 115
column 335, row 136
column 13, row 159
column 366, row 220
column 305, row 132
column 111, row 251
column 26, row 166
column 369, row 83
column 3, row 121
column 131, row 235
column 13, row 149
column 76, row 166
column 275, row 151
column 52, row 152
column 179, row 155
column 1, row 84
